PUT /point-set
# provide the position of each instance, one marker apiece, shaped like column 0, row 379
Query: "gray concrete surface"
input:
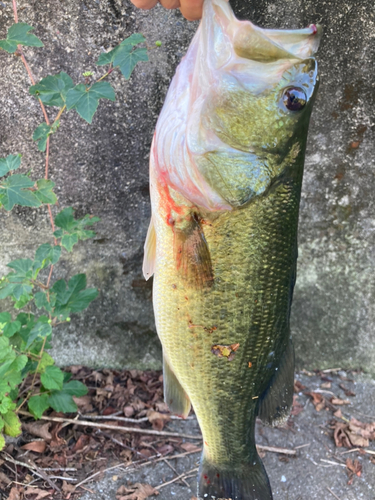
column 102, row 169
column 317, row 466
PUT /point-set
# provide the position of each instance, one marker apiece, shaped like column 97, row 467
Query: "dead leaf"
column 157, row 419
column 338, row 413
column 36, row 446
column 136, row 491
column 347, row 391
column 38, row 429
column 128, row 411
column 190, row 447
column 353, row 467
column 38, row 492
column 317, row 399
column 84, row 403
column 340, row 436
column 165, row 449
column 297, row 408
column 15, row 493
column 82, row 441
column 339, row 402
column 4, row 479
column 326, row 385
column 67, row 487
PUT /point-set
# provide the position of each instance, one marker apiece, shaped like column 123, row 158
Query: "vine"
column 28, row 374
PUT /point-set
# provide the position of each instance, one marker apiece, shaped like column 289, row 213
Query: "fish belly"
column 224, row 342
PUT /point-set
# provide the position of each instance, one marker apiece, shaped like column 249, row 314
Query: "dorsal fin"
column 149, row 251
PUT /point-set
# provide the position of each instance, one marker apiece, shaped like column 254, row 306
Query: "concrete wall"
column 103, row 169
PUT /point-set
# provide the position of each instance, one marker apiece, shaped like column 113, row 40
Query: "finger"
column 144, row 4
column 191, row 9
column 170, row 4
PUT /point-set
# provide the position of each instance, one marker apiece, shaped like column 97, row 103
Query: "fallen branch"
column 273, row 449
column 334, row 494
column 114, row 427
column 35, row 470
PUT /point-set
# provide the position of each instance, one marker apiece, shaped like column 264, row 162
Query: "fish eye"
column 294, row 98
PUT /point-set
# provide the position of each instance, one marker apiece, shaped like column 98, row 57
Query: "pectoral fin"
column 174, row 395
column 192, row 253
column 277, row 400
column 149, row 252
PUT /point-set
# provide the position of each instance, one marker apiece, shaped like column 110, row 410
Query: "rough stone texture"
column 102, row 169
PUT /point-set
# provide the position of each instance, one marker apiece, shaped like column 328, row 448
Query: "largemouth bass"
column 225, row 179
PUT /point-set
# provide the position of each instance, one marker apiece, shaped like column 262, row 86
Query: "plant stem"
column 59, row 114
column 105, row 76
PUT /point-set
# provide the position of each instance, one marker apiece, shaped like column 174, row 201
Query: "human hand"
column 190, row 9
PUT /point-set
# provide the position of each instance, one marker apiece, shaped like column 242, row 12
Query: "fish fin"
column 245, row 481
column 192, row 254
column 174, row 395
column 276, row 401
column 149, row 251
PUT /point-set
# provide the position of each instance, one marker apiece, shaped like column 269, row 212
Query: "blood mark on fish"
column 225, row 351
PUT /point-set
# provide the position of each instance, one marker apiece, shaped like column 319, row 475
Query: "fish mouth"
column 266, row 45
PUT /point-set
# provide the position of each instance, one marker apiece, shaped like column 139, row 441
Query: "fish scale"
column 253, row 269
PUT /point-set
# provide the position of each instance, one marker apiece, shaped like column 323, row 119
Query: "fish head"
column 237, row 110
column 254, row 119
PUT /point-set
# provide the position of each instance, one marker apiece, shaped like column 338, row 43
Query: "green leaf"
column 38, row 404
column 15, row 192
column 12, row 328
column 21, row 266
column 52, row 379
column 69, row 240
column 5, row 317
column 12, row 424
column 41, row 134
column 75, row 388
column 85, row 100
column 58, row 233
column 108, row 57
column 2, row 440
column 127, row 60
column 11, row 162
column 22, row 301
column 39, row 331
column 46, row 360
column 5, row 404
column 65, row 219
column 19, row 363
column 52, row 90
column 42, row 302
column 45, row 255
column 44, row 192
column 18, row 34
column 75, row 298
column 62, row 401
column 4, row 389
column 22, row 293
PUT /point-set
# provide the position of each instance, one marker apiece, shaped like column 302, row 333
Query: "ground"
column 325, row 451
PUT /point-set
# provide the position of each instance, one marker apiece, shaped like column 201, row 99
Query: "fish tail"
column 248, row 481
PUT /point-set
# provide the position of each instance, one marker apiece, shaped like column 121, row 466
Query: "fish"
column 226, row 167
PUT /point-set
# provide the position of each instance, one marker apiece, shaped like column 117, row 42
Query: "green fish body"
column 225, row 175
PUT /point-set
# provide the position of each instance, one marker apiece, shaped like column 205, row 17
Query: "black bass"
column 226, row 171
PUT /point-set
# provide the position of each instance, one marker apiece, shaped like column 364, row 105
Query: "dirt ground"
column 325, row 451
